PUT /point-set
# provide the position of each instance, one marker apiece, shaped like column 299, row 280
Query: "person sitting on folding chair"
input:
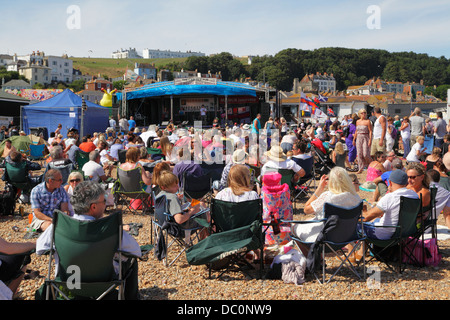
column 16, row 159
column 386, row 212
column 46, row 197
column 8, row 148
column 169, row 184
column 341, row 192
column 89, row 203
column 132, row 157
column 93, row 169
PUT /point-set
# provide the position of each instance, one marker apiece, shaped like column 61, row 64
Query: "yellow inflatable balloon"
column 107, row 98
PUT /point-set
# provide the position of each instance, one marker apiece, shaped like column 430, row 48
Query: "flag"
column 330, row 112
column 319, row 114
column 322, row 98
column 307, row 104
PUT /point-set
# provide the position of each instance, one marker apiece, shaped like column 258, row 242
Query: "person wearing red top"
column 87, row 145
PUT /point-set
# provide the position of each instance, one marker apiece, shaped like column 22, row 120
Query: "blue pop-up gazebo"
column 65, row 108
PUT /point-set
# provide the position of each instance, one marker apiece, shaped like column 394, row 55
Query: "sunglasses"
column 413, row 177
column 75, row 180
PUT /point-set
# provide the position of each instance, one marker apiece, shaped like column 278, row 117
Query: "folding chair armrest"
column 302, row 221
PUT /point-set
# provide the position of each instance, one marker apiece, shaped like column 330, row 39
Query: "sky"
column 96, row 28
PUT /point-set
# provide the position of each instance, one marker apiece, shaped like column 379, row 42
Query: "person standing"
column 256, row 124
column 440, row 130
column 131, row 124
column 112, row 122
column 123, row 123
column 417, row 123
column 379, row 132
column 362, row 139
column 203, row 114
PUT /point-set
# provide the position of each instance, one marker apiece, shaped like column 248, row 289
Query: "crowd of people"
column 389, row 150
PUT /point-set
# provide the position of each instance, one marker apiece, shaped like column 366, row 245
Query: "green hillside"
column 115, row 67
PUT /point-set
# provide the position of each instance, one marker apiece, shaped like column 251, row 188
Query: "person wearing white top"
column 278, row 160
column 417, row 150
column 379, row 133
column 386, row 212
column 239, row 185
column 341, row 192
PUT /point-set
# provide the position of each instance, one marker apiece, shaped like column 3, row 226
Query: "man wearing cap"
column 278, row 160
column 386, row 212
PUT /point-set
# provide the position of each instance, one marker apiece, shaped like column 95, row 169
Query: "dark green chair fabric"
column 390, row 251
column 238, row 229
column 90, row 246
column 81, row 159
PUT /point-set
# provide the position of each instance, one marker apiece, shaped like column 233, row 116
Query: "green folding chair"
column 238, row 229
column 86, row 250
column 390, row 251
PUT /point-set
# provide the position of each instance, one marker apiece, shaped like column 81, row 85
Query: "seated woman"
column 73, row 180
column 433, row 158
column 376, row 167
column 239, row 185
column 444, row 180
column 419, row 182
column 157, row 170
column 341, row 192
column 132, row 161
column 417, row 150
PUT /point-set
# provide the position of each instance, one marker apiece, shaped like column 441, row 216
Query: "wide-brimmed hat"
column 239, row 156
column 276, row 154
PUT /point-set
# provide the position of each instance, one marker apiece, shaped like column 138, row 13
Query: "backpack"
column 7, row 200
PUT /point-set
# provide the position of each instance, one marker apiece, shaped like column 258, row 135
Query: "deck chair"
column 37, row 153
column 129, row 189
column 237, row 229
column 390, row 251
column 197, row 187
column 169, row 235
column 340, row 229
column 304, row 187
column 90, row 246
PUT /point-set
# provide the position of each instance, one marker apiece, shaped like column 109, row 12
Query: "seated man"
column 278, row 160
column 93, row 169
column 46, row 197
column 8, row 148
column 386, row 212
column 89, row 203
column 382, row 182
column 64, row 165
column 16, row 159
column 86, row 144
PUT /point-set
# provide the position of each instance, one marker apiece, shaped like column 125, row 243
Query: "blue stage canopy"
column 169, row 88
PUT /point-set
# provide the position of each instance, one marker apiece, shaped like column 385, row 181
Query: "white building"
column 62, row 68
column 158, row 54
column 130, row 53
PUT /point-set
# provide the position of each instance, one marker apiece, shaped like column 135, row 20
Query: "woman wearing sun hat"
column 277, row 159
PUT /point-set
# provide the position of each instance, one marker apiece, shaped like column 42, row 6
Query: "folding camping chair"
column 236, row 229
column 129, row 189
column 17, row 176
column 168, row 234
column 197, row 187
column 91, row 246
column 340, row 228
column 37, row 153
column 303, row 187
column 383, row 250
column 81, row 159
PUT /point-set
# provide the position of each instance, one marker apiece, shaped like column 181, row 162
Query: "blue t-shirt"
column 385, row 177
column 131, row 124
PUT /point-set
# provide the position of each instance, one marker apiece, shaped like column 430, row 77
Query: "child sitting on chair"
column 168, row 183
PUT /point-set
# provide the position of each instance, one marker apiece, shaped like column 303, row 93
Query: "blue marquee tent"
column 64, row 108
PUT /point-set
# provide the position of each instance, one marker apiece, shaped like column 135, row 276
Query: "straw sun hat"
column 276, row 154
column 239, row 156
